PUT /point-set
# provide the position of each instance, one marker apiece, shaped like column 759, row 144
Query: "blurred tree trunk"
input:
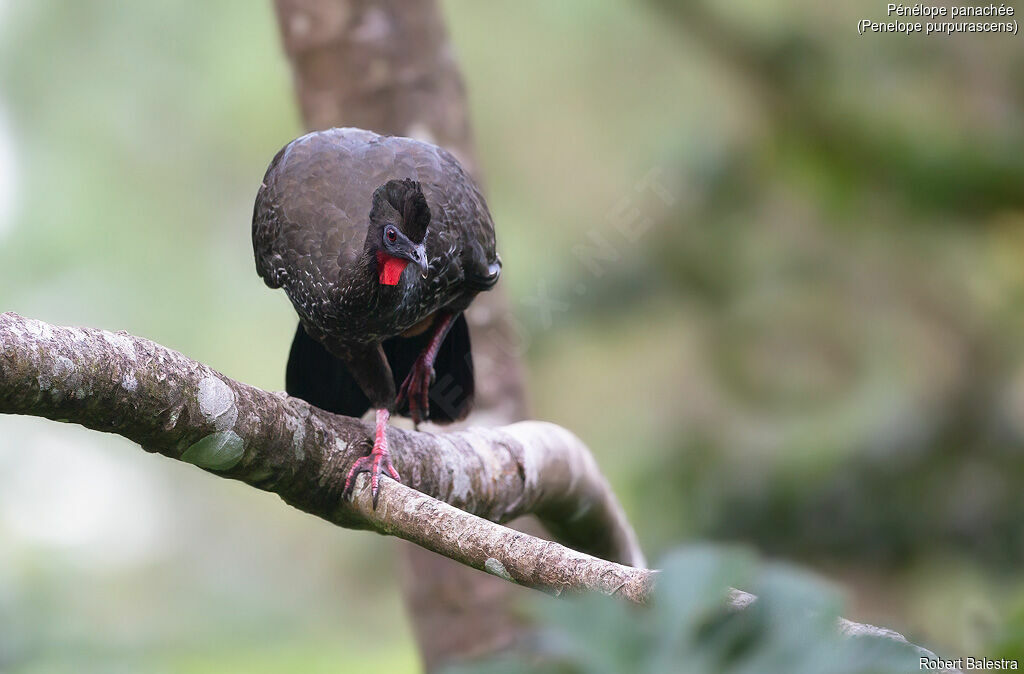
column 388, row 66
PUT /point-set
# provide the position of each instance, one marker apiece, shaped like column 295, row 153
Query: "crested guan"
column 380, row 243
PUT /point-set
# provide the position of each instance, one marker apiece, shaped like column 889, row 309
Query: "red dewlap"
column 389, row 268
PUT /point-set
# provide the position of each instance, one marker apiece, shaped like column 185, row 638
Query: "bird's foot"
column 378, row 458
column 416, row 388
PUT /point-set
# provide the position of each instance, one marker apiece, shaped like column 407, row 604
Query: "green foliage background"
column 770, row 271
column 791, row 627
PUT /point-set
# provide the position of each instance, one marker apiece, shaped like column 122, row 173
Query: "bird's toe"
column 374, row 463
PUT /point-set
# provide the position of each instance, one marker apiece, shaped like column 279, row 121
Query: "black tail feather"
column 320, row 379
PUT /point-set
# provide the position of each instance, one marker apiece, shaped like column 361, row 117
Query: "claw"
column 373, row 462
column 416, row 387
column 416, row 390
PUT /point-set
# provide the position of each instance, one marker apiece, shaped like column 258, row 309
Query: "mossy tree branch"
column 174, row 406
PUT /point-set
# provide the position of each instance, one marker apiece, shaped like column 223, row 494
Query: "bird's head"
column 398, row 227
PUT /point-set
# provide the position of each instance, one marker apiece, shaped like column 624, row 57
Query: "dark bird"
column 380, row 243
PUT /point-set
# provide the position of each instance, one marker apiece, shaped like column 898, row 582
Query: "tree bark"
column 388, row 66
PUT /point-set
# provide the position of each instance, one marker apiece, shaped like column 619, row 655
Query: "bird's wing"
column 311, row 210
column 467, row 223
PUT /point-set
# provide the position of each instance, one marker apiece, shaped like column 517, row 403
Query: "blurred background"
column 771, row 271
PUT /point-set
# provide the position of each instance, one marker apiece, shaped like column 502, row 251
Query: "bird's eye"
column 391, row 234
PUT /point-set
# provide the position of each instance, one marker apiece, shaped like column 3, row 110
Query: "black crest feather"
column 406, row 198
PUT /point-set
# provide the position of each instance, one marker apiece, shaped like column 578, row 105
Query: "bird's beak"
column 421, row 259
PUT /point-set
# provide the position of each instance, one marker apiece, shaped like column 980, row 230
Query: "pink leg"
column 416, row 386
column 372, row 462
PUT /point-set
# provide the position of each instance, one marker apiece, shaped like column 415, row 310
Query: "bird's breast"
column 420, row 327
